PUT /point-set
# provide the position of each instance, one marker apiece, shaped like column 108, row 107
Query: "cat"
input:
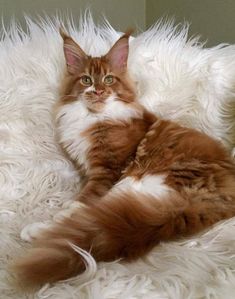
column 177, row 183
column 99, row 123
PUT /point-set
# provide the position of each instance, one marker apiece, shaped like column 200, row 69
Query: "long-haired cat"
column 178, row 183
column 99, row 123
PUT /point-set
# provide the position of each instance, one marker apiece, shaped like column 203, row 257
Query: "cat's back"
column 167, row 144
column 189, row 161
column 167, row 136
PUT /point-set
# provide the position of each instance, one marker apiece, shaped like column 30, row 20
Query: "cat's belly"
column 153, row 185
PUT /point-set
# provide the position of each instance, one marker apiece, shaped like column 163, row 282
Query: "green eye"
column 108, row 79
column 86, row 80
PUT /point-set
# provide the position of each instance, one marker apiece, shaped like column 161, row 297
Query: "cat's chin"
column 95, row 106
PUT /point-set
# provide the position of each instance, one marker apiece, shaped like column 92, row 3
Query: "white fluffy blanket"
column 178, row 79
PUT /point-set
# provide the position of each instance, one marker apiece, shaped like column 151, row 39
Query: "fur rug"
column 178, row 79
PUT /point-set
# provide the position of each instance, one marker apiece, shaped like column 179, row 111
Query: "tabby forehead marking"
column 97, row 67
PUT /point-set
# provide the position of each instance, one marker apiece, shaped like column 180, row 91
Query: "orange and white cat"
column 99, row 123
column 173, row 181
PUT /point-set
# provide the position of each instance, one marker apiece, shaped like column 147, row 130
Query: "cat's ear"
column 118, row 54
column 74, row 55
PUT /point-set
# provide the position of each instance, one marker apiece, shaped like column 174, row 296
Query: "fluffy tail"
column 125, row 226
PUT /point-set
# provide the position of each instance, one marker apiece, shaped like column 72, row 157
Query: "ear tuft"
column 62, row 33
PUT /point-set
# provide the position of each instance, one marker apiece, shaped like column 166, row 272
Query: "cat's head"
column 97, row 80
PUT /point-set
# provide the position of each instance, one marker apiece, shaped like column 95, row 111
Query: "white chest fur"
column 74, row 118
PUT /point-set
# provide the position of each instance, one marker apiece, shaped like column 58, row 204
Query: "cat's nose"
column 98, row 92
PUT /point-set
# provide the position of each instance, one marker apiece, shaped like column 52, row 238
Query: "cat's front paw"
column 31, row 231
column 67, row 213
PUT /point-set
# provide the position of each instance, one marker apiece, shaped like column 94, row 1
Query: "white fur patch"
column 150, row 185
column 118, row 110
column 31, row 231
column 90, row 88
column 74, row 118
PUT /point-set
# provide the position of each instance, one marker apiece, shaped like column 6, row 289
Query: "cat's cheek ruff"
column 118, row 110
column 153, row 185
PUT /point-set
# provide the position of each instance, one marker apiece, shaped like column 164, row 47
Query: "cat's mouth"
column 95, row 103
column 97, row 98
column 94, row 98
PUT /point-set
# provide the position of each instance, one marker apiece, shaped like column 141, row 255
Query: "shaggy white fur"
column 177, row 79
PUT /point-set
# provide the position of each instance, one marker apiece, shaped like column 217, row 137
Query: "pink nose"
column 98, row 92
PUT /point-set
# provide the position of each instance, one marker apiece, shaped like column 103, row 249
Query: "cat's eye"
column 109, row 80
column 86, row 80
